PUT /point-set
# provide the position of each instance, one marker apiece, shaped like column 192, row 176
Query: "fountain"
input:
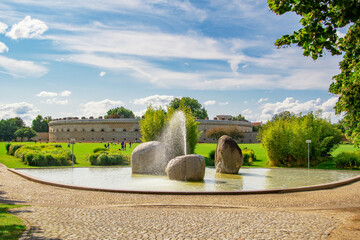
column 169, row 154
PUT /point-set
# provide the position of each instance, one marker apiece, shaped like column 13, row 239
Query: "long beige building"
column 128, row 129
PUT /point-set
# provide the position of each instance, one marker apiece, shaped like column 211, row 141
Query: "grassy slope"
column 11, row 227
column 81, row 150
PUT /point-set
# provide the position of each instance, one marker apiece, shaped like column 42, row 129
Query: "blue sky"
column 65, row 58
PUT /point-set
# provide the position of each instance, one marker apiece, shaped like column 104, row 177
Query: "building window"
column 102, row 130
column 125, row 139
column 136, row 130
column 92, row 130
column 124, row 130
column 83, row 129
column 113, row 130
column 68, row 130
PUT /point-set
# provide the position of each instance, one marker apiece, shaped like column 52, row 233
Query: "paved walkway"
column 60, row 213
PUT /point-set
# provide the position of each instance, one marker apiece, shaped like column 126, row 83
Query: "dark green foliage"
column 249, row 156
column 210, row 161
column 7, row 147
column 42, row 155
column 40, row 124
column 284, row 139
column 197, row 110
column 107, row 157
column 321, row 22
column 349, row 160
column 25, row 132
column 119, row 112
column 233, row 132
column 58, row 146
column 238, row 118
column 9, row 127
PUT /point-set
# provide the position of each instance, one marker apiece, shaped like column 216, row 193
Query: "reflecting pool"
column 121, row 178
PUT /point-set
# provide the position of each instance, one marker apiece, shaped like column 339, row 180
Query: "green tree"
column 8, row 128
column 284, row 139
column 155, row 120
column 40, row 124
column 238, row 118
column 25, row 132
column 119, row 112
column 217, row 132
column 196, row 108
column 152, row 123
column 322, row 20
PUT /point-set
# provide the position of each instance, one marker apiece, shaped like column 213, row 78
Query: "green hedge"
column 349, row 160
column 106, row 157
column 42, row 155
column 249, row 156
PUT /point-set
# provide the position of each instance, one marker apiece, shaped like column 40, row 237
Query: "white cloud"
column 3, row 48
column 210, row 102
column 46, row 94
column 24, row 110
column 27, row 28
column 19, row 68
column 140, row 113
column 295, row 106
column 57, row 101
column 99, row 108
column 101, row 74
column 155, row 100
column 3, row 27
column 263, row 100
column 223, row 103
column 65, row 93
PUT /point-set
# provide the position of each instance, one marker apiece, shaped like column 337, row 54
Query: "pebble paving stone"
column 60, row 213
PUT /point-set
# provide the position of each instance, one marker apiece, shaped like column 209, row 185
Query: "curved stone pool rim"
column 242, row 192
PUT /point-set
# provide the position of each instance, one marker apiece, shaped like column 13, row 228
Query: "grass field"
column 11, row 227
column 81, row 150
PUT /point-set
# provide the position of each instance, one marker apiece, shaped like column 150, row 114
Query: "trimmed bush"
column 249, row 156
column 7, row 147
column 210, row 161
column 13, row 148
column 107, row 158
column 44, row 155
column 349, row 160
column 100, row 149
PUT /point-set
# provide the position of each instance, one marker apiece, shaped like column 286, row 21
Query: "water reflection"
column 247, row 179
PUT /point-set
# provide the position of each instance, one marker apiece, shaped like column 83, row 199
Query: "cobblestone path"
column 60, row 213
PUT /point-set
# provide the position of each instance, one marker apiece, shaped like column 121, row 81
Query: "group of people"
column 123, row 145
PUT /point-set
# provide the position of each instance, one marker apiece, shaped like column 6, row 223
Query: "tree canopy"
column 238, row 117
column 119, row 112
column 322, row 21
column 217, row 132
column 8, row 128
column 284, row 139
column 196, row 108
column 40, row 124
column 25, row 132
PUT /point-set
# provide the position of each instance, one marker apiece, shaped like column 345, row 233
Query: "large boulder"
column 147, row 158
column 228, row 156
column 186, row 168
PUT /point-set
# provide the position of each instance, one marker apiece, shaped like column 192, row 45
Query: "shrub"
column 7, row 147
column 107, row 158
column 100, row 149
column 284, row 139
column 13, row 148
column 347, row 160
column 249, row 156
column 210, row 161
column 58, row 146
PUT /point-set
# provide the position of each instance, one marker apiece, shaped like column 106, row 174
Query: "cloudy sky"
column 65, row 58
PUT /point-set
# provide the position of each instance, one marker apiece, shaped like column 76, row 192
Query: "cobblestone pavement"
column 60, row 213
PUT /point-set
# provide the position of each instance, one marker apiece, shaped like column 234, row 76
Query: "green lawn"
column 11, row 227
column 81, row 150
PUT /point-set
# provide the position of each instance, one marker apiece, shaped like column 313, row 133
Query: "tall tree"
column 322, row 21
column 40, row 124
column 195, row 107
column 238, row 117
column 25, row 132
column 119, row 112
column 8, row 128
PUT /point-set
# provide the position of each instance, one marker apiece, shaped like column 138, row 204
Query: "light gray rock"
column 147, row 158
column 228, row 156
column 186, row 168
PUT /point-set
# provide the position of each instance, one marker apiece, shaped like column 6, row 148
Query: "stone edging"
column 247, row 192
